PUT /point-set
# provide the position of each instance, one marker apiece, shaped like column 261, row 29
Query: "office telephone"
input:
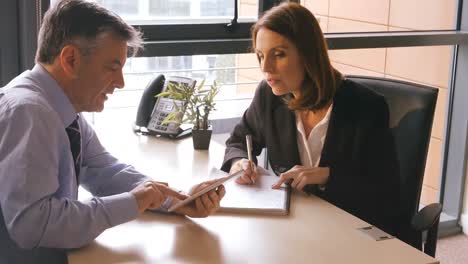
column 152, row 110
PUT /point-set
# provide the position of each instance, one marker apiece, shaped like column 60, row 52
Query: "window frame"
column 455, row 147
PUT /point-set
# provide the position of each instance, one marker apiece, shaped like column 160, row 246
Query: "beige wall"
column 413, row 14
column 248, row 8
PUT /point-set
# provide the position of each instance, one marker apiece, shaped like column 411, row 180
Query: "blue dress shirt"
column 38, row 187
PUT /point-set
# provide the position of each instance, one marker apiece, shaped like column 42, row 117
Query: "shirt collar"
column 55, row 94
column 327, row 115
column 324, row 121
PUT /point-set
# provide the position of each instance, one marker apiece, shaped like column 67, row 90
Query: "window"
column 124, row 7
column 179, row 11
column 237, row 73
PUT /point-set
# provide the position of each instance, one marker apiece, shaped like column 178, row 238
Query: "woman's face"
column 280, row 62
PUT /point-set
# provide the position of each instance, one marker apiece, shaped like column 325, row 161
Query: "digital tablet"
column 208, row 188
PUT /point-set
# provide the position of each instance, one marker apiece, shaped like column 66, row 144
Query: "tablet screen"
column 208, row 188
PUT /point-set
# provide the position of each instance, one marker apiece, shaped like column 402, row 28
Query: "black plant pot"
column 201, row 138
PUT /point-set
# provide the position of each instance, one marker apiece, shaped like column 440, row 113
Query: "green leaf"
column 192, row 98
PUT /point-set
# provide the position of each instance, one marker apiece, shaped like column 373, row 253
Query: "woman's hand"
column 300, row 176
column 204, row 205
column 250, row 171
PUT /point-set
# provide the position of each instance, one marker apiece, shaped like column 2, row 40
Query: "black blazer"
column 359, row 149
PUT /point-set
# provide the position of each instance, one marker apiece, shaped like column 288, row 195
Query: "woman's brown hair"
column 298, row 25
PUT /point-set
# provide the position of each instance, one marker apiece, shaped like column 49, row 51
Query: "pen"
column 248, row 141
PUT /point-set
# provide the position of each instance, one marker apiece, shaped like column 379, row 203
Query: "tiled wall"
column 410, row 14
column 426, row 65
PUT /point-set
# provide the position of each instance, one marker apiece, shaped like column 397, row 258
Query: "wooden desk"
column 314, row 232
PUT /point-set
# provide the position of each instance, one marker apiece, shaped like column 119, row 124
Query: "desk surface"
column 315, row 231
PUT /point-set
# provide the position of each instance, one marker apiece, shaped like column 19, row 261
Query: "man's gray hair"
column 80, row 23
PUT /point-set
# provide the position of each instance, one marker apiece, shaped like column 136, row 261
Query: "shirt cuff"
column 120, row 208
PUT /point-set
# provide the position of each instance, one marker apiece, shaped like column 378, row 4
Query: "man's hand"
column 204, row 205
column 151, row 195
column 250, row 171
column 300, row 176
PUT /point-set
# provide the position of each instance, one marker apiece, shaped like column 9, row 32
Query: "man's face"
column 99, row 73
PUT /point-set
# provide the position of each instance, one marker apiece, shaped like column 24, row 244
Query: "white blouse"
column 310, row 149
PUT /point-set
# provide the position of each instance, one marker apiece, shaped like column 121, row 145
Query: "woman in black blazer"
column 324, row 134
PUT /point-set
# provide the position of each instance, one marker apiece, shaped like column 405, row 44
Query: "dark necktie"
column 74, row 136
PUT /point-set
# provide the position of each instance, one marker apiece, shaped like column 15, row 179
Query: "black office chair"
column 412, row 109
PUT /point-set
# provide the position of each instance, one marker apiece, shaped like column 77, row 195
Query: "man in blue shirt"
column 47, row 149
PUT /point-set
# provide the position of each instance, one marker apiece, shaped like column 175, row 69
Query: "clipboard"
column 258, row 198
column 204, row 190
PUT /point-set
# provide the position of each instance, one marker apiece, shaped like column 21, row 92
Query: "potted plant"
column 197, row 103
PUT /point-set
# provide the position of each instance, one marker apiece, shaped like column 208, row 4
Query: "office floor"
column 453, row 249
